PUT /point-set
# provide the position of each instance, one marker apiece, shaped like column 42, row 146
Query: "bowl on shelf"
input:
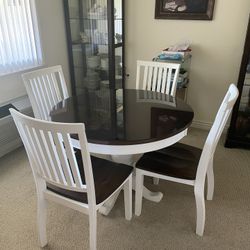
column 93, row 62
column 92, row 82
column 105, row 83
column 104, row 62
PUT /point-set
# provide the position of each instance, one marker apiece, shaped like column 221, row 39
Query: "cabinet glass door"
column 90, row 43
column 96, row 49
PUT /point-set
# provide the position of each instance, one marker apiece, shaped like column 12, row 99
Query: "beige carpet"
column 169, row 224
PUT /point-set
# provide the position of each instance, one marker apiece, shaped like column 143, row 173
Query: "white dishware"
column 105, row 83
column 93, row 61
column 105, row 63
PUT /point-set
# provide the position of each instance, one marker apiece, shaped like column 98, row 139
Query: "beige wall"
column 217, row 48
column 52, row 30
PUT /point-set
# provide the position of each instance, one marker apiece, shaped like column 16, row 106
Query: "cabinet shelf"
column 79, row 42
column 93, row 19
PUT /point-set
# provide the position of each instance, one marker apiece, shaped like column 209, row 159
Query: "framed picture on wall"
column 184, row 9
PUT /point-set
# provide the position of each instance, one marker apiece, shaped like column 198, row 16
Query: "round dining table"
column 126, row 122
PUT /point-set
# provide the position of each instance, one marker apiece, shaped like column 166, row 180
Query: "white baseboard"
column 201, row 125
column 206, row 125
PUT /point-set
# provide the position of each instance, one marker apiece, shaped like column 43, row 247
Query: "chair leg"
column 41, row 220
column 128, row 198
column 200, row 211
column 138, row 192
column 92, row 229
column 210, row 180
column 156, row 181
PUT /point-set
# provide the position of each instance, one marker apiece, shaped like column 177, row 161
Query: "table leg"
column 125, row 159
column 108, row 205
column 147, row 194
column 152, row 196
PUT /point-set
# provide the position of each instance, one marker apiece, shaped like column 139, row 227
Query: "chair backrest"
column 216, row 131
column 45, row 87
column 51, row 153
column 157, row 76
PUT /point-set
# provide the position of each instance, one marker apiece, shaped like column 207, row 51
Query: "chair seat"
column 179, row 161
column 108, row 176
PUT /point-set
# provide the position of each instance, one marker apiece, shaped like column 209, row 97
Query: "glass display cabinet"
column 95, row 43
column 95, row 36
column 239, row 131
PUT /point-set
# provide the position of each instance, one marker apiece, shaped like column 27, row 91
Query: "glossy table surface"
column 125, row 117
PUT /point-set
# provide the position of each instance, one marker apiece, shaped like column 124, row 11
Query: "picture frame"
column 184, row 9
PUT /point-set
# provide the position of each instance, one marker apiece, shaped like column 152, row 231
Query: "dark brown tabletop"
column 124, row 117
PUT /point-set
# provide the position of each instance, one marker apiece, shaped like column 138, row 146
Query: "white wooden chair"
column 68, row 176
column 186, row 164
column 45, row 87
column 157, row 76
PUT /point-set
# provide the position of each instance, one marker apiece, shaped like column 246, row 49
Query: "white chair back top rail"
column 216, row 130
column 157, row 76
column 45, row 87
column 52, row 155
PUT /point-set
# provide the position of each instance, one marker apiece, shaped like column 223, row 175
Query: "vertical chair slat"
column 47, row 93
column 159, row 80
column 26, row 137
column 38, row 150
column 46, row 154
column 45, row 145
column 149, row 81
column 63, row 159
column 174, row 82
column 154, row 79
column 50, row 89
column 55, row 163
column 37, row 99
column 145, row 76
column 73, row 163
column 44, row 96
column 55, row 86
column 42, row 99
column 164, row 77
column 169, row 80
